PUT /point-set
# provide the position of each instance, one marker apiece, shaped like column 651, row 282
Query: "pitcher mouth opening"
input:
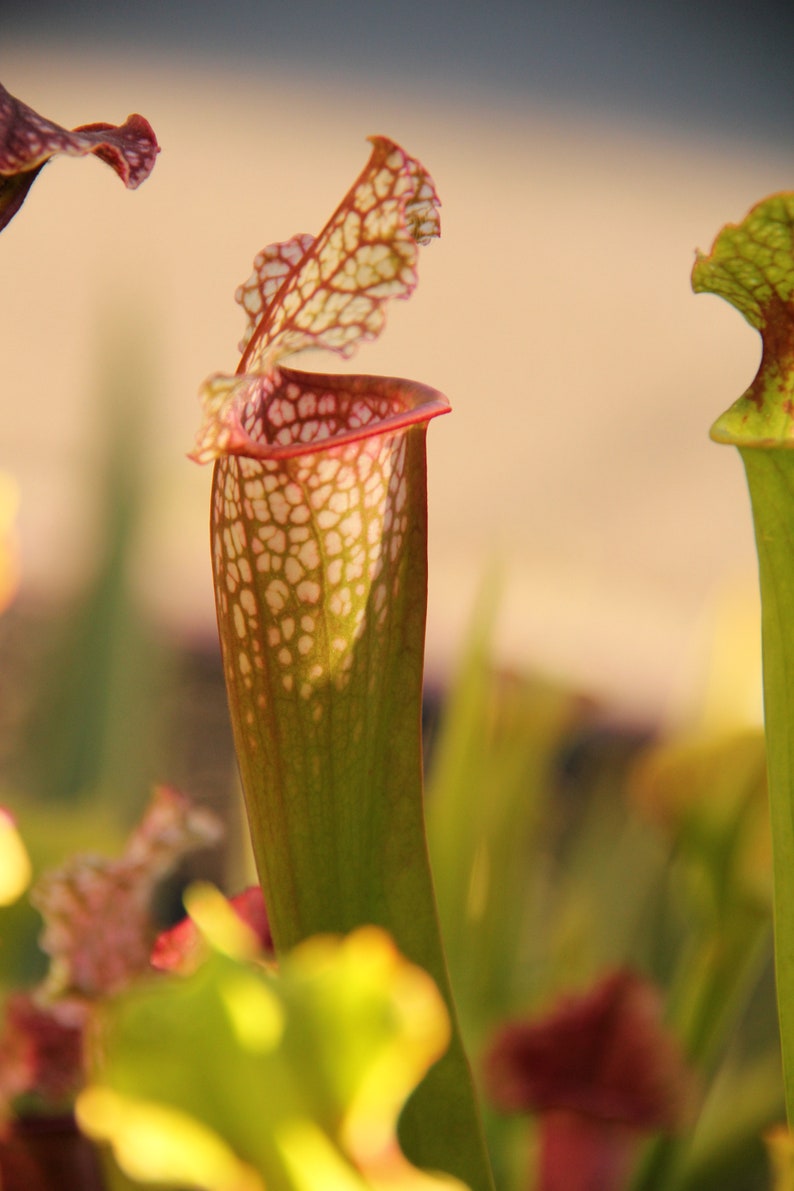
column 286, row 413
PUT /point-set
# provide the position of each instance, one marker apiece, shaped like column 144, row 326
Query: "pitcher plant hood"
column 28, row 141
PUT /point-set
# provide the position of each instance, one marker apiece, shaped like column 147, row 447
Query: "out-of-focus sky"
column 582, row 153
column 716, row 65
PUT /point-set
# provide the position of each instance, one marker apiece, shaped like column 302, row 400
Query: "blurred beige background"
column 555, row 313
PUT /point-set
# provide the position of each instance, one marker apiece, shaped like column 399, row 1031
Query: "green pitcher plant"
column 752, row 266
column 319, row 550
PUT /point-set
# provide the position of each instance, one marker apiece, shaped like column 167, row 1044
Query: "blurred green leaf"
column 293, row 1078
column 488, row 785
column 727, row 1146
column 94, row 725
column 50, row 835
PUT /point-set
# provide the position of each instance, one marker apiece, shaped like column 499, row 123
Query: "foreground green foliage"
column 240, row 1076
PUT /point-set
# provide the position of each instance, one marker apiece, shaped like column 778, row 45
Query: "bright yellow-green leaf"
column 15, row 869
column 153, row 1143
column 218, row 923
column 299, row 1075
column 312, row 1161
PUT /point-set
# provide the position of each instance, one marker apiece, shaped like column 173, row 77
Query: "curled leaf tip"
column 751, row 265
column 28, row 141
column 325, row 292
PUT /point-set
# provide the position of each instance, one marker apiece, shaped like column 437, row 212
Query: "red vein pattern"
column 28, row 141
column 305, row 543
column 329, row 292
column 309, row 494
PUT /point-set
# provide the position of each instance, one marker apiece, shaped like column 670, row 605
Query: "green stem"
column 770, row 477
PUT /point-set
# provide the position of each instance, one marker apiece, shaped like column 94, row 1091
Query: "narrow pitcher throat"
column 308, row 552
